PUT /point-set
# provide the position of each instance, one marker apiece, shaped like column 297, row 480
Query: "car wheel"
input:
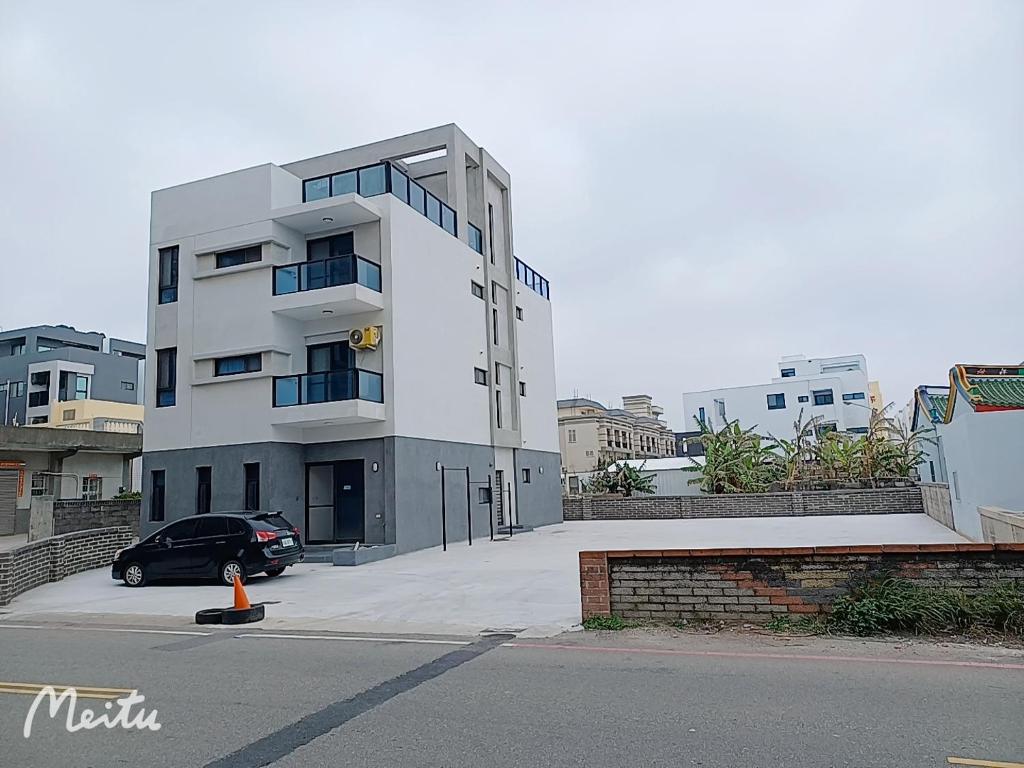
column 135, row 575
column 274, row 572
column 229, row 570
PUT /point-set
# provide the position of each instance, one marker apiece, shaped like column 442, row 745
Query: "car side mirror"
column 165, row 541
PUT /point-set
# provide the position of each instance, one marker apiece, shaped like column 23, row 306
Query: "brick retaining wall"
column 75, row 515
column 861, row 501
column 52, row 559
column 755, row 584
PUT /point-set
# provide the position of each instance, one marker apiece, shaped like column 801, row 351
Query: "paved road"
column 578, row 700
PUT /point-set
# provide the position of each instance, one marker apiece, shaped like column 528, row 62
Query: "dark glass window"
column 417, row 197
column 519, row 313
column 204, row 485
column 776, row 401
column 399, row 185
column 184, row 529
column 168, row 278
column 316, row 189
column 229, row 366
column 490, row 231
column 36, row 399
column 433, row 209
column 494, row 325
column 850, row 396
column 476, row 239
column 480, row 376
column 372, row 181
column 239, row 256
column 788, row 372
column 343, row 183
column 448, row 220
column 526, row 474
column 823, row 397
column 802, row 398
column 497, row 409
column 478, row 290
column 701, row 415
column 329, row 247
column 336, row 356
column 156, row 496
column 215, row 525
column 522, row 389
column 252, row 486
column 166, row 376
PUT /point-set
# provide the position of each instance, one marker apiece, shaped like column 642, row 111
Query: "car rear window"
column 271, row 522
column 236, row 526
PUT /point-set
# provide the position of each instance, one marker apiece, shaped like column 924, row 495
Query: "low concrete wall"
column 937, row 504
column 77, row 515
column 868, row 501
column 41, row 562
column 756, row 584
column 1003, row 525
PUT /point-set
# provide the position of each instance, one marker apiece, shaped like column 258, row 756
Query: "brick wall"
column 69, row 516
column 866, row 501
column 41, row 562
column 755, row 584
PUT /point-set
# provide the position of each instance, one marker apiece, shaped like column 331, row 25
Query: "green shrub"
column 604, row 622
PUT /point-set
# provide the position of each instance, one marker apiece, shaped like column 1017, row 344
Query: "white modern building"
column 331, row 337
column 835, row 389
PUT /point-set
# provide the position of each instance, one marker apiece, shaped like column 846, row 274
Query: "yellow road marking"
column 83, row 692
column 982, row 763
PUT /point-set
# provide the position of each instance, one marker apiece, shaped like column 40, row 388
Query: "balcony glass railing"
column 525, row 274
column 325, row 273
column 330, row 387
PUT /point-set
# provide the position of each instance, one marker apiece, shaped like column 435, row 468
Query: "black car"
column 221, row 546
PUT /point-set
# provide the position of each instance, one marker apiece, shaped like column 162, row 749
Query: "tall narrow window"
column 490, row 231
column 252, row 486
column 204, row 489
column 494, row 325
column 156, row 496
column 168, row 280
column 166, row 376
column 497, row 408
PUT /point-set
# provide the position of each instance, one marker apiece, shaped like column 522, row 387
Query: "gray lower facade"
column 381, row 491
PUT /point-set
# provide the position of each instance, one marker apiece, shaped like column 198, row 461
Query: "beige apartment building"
column 591, row 436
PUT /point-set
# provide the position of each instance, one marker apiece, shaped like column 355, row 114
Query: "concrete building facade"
column 45, row 364
column 591, row 436
column 325, row 336
column 835, row 389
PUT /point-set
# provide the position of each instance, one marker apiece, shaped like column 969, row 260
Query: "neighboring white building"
column 929, row 411
column 832, row 388
column 980, row 435
column 263, row 397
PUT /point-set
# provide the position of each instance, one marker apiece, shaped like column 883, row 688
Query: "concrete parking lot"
column 530, row 582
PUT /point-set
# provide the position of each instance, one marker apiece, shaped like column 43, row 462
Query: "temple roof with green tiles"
column 987, row 387
column 929, row 403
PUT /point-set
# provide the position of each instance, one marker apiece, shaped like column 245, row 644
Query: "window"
column 476, row 239
column 497, row 408
column 252, row 486
column 92, row 488
column 168, row 277
column 788, row 372
column 490, row 231
column 343, row 183
column 41, row 484
column 701, row 416
column 522, row 389
column 239, row 256
column 494, row 326
column 497, row 374
column 519, row 313
column 156, row 496
column 371, row 181
column 128, row 385
column 850, row 396
column 802, row 398
column 43, row 348
column 526, row 474
column 40, row 379
column 229, row 366
column 81, row 387
column 720, row 407
column 572, row 435
column 39, row 420
column 69, row 414
column 18, row 348
column 316, row 189
column 825, row 428
column 166, row 377
column 823, row 397
column 36, row 399
column 858, row 430
column 215, row 525
column 17, row 389
column 480, row 376
column 776, row 401
column 478, row 290
column 204, row 489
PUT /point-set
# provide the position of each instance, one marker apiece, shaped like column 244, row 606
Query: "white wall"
column 538, row 411
column 108, row 466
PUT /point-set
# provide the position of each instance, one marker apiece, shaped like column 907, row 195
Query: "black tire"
column 242, row 615
column 272, row 572
column 209, row 616
column 229, row 569
column 134, row 575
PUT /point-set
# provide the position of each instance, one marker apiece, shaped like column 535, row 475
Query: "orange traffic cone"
column 241, row 599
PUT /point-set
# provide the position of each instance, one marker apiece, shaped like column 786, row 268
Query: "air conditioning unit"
column 364, row 338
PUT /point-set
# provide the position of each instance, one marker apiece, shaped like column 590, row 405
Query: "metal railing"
column 328, row 387
column 326, row 273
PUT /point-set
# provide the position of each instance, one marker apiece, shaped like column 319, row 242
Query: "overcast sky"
column 708, row 186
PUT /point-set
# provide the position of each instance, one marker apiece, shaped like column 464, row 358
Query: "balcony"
column 343, row 285
column 352, row 396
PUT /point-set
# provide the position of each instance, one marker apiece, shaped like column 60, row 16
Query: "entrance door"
column 335, row 502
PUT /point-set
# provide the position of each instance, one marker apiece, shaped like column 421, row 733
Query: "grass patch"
column 896, row 605
column 804, row 625
column 606, row 622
